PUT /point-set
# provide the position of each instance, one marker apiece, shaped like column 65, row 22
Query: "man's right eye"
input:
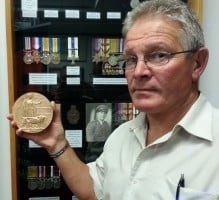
column 131, row 59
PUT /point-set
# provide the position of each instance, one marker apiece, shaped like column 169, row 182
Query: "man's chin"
column 145, row 106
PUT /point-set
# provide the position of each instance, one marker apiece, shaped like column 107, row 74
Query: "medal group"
column 47, row 50
column 109, row 52
column 43, row 177
column 124, row 112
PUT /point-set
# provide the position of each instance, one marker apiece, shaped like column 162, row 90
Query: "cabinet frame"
column 197, row 5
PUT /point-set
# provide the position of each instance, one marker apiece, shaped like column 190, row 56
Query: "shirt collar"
column 198, row 120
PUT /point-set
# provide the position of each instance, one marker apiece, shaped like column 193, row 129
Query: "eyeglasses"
column 153, row 60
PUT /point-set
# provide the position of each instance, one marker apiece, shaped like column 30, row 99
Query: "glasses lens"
column 130, row 62
column 157, row 59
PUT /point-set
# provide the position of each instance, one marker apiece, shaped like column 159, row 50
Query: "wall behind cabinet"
column 5, row 159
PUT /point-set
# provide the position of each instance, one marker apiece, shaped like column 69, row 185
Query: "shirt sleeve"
column 96, row 170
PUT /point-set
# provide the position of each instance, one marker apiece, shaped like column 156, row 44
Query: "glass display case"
column 69, row 51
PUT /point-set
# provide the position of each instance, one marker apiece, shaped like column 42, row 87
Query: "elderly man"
column 170, row 150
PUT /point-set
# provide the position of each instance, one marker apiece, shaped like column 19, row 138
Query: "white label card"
column 72, row 14
column 93, row 15
column 73, row 80
column 44, row 198
column 73, row 70
column 29, row 4
column 43, row 78
column 74, row 138
column 29, row 8
column 29, row 13
column 51, row 13
column 113, row 15
column 109, row 81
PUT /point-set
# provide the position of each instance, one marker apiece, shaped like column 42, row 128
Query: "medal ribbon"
column 104, row 44
column 32, row 171
column 100, row 53
column 119, row 109
column 121, row 45
column 35, row 43
column 27, row 43
column 51, row 171
column 76, row 46
column 69, row 48
column 72, row 47
column 48, row 172
column 130, row 111
column 56, row 171
column 54, row 45
column 45, row 44
column 96, row 47
column 39, row 171
column 112, row 45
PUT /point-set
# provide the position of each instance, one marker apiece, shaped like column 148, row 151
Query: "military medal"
column 46, row 58
column 32, row 112
column 120, row 57
column 96, row 48
column 31, row 180
column 105, row 50
column 41, row 178
column 114, row 48
column 48, row 180
column 113, row 60
column 134, row 3
column 36, row 47
column 73, row 115
column 55, row 58
column 113, row 56
column 28, row 58
column 56, row 178
column 73, row 49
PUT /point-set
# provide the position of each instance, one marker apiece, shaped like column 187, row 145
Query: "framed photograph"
column 98, row 121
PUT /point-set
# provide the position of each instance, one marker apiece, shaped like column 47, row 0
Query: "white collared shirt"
column 127, row 170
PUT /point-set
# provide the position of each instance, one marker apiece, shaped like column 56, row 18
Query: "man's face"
column 166, row 87
column 101, row 115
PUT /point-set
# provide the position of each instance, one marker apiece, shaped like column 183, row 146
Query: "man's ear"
column 200, row 62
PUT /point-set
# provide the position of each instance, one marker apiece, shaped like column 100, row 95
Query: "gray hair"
column 191, row 33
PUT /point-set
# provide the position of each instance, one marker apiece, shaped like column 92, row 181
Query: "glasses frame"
column 146, row 60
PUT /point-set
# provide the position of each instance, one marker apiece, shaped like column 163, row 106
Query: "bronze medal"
column 32, row 112
column 55, row 59
column 36, row 57
column 73, row 115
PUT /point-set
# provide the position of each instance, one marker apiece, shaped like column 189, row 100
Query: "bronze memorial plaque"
column 32, row 112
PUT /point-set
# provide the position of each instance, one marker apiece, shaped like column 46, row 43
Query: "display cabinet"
column 69, row 51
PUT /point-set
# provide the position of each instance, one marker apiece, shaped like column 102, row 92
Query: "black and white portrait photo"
column 98, row 121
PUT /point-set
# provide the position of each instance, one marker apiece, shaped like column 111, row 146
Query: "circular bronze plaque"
column 32, row 112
